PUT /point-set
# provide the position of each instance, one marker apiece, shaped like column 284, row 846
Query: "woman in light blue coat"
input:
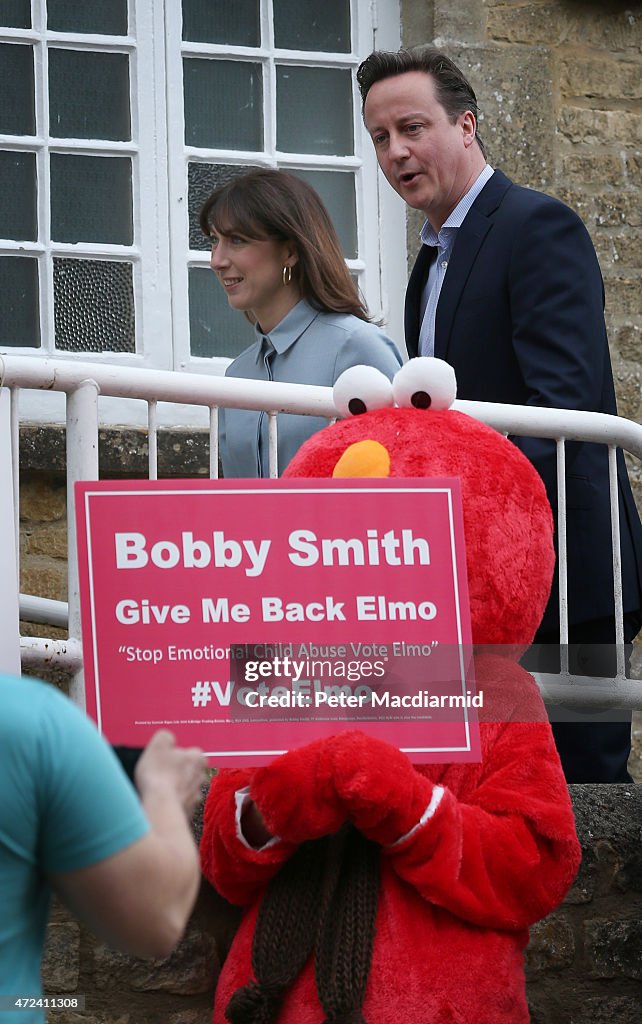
column 277, row 255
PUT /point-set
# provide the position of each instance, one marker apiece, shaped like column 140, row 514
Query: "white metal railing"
column 83, row 383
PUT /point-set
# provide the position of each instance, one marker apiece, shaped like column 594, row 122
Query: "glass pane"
column 223, row 104
column 89, row 95
column 337, row 191
column 91, row 199
column 314, row 110
column 17, row 110
column 314, row 25
column 18, row 213
column 203, row 179
column 219, row 21
column 109, row 18
column 16, row 13
column 214, row 328
column 19, row 309
column 93, row 306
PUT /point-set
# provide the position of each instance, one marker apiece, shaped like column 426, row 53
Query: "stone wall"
column 584, row 962
column 43, row 494
column 560, row 90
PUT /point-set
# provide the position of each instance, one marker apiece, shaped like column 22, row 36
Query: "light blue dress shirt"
column 444, row 241
column 307, row 347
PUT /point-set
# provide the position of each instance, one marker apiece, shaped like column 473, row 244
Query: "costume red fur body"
column 458, row 894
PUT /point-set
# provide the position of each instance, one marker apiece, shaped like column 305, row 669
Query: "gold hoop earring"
column 287, row 276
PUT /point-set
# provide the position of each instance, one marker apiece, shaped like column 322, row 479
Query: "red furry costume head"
column 507, row 519
column 377, row 890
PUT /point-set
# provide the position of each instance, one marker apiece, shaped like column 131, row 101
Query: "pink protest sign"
column 253, row 616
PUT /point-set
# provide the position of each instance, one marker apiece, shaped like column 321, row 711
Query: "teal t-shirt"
column 65, row 803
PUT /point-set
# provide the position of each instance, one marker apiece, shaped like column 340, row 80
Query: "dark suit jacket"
column 521, row 319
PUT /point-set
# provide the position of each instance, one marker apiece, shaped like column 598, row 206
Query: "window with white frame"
column 117, row 118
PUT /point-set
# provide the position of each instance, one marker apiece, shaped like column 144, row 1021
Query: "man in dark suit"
column 507, row 289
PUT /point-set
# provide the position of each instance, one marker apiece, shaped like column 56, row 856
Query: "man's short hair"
column 452, row 88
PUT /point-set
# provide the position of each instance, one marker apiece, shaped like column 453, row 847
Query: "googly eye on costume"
column 424, row 383
column 361, row 389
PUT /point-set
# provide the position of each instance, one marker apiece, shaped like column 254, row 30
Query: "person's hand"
column 166, row 768
column 295, row 795
column 382, row 793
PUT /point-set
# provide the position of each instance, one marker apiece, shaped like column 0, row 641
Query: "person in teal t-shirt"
column 71, row 821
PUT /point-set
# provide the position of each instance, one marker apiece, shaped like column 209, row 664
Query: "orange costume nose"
column 363, row 458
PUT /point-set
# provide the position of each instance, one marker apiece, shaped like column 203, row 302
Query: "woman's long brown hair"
column 267, row 203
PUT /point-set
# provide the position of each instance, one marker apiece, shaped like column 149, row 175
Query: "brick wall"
column 584, row 962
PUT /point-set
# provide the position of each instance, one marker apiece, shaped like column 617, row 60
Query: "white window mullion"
column 269, row 106
column 222, row 50
column 45, row 269
column 381, row 213
column 153, row 286
column 267, row 24
column 89, row 41
column 319, row 59
column 269, row 81
column 177, row 184
column 233, row 156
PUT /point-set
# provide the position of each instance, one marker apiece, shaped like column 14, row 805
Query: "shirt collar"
column 456, row 218
column 288, row 330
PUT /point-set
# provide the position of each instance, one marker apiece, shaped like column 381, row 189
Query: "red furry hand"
column 296, row 796
column 381, row 791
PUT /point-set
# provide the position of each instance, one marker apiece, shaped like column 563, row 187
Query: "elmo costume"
column 376, row 890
